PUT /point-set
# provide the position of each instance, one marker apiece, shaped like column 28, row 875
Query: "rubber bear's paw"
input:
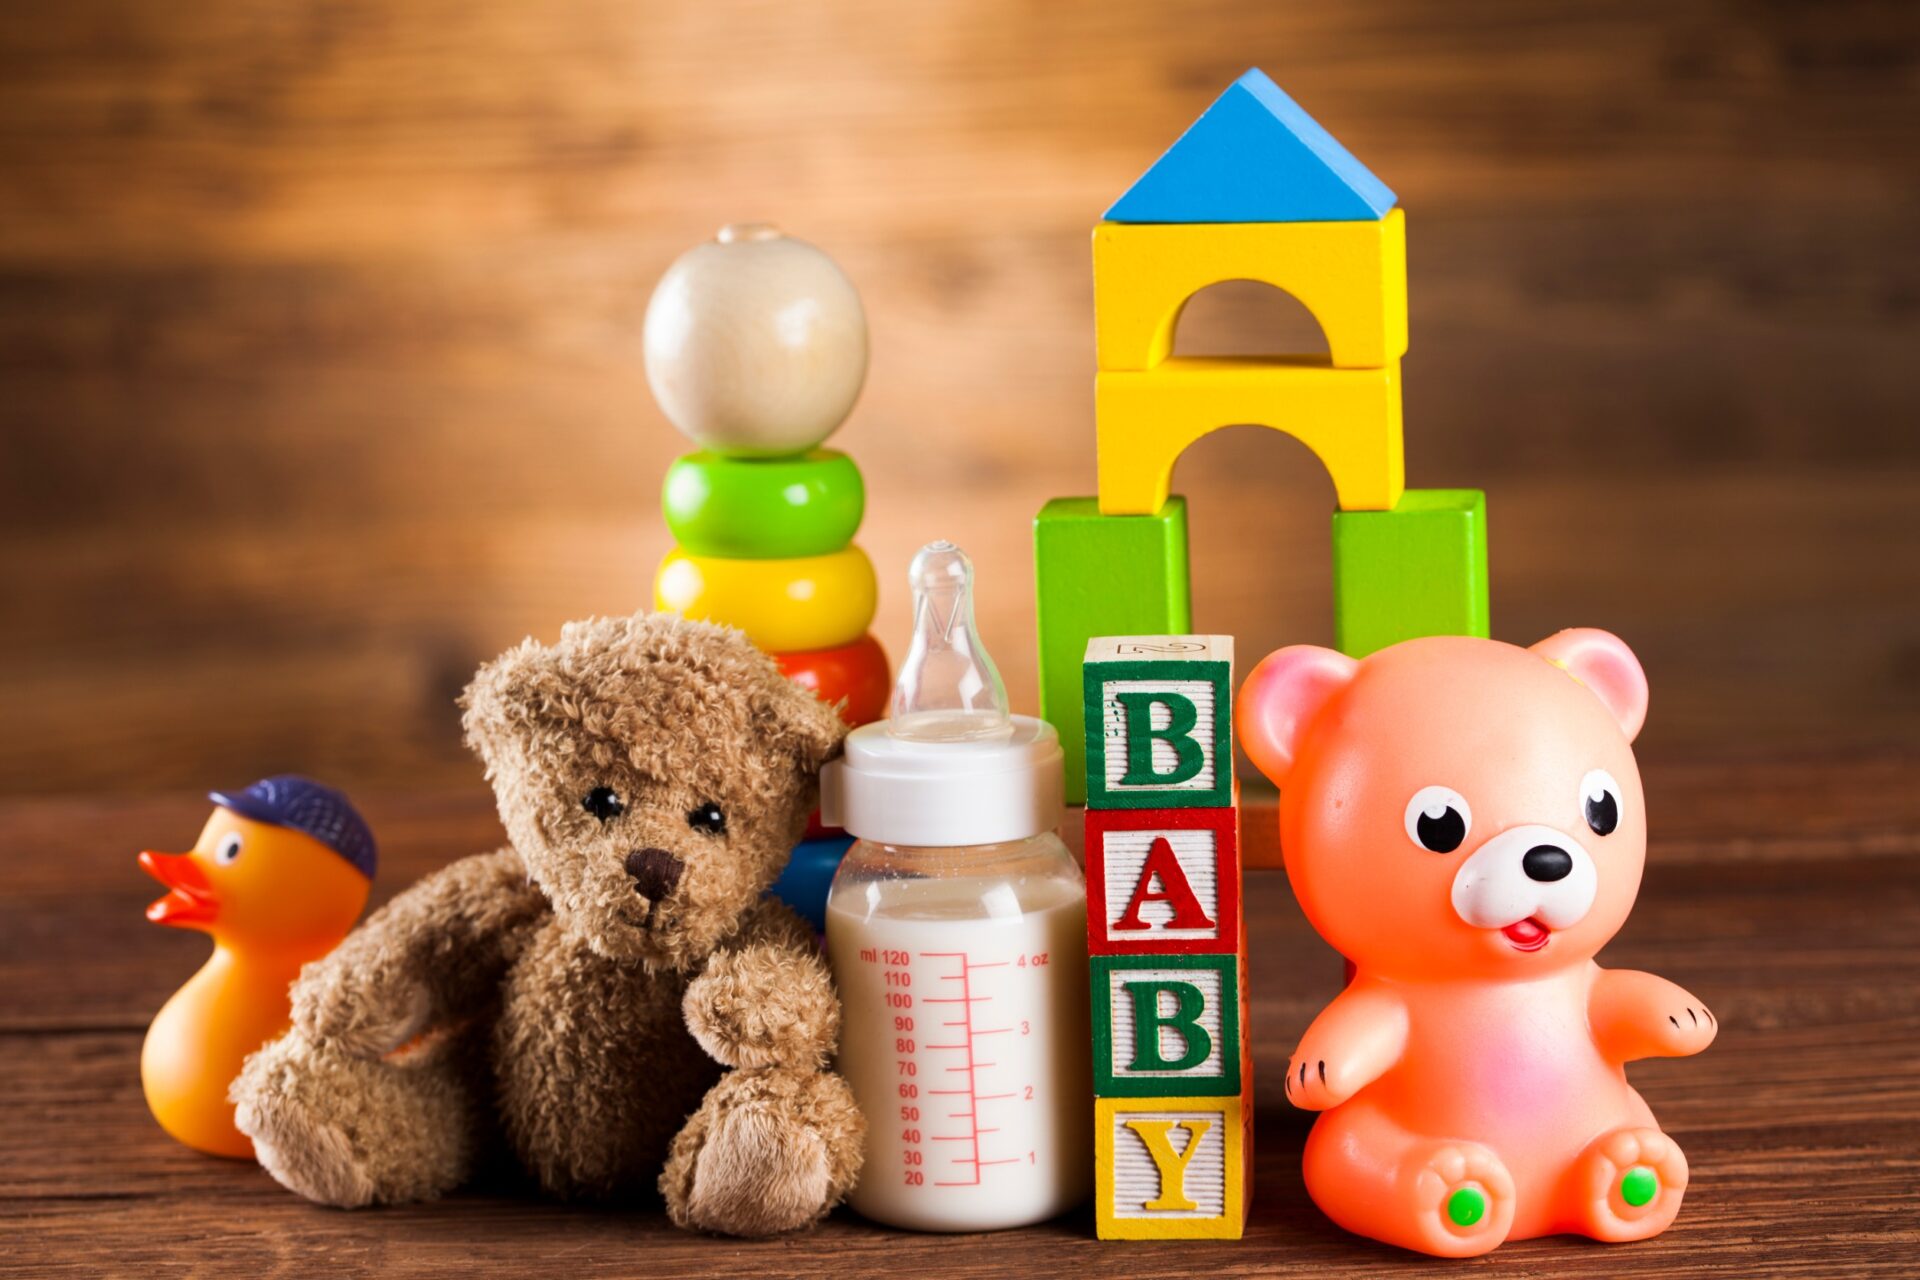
column 1630, row 1182
column 1462, row 1199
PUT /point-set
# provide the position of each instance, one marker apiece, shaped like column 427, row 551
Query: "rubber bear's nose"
column 655, row 872
column 1543, row 862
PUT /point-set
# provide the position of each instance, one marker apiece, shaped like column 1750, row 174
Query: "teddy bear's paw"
column 1630, row 1183
column 760, row 1172
column 366, row 1014
column 349, row 1132
column 1462, row 1198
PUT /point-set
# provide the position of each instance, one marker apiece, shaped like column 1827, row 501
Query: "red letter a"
column 1174, row 890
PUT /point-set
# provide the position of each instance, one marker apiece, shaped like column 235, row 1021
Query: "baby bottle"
column 956, row 928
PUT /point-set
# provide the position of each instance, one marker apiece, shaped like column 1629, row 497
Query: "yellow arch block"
column 1351, row 275
column 809, row 602
column 1350, row 418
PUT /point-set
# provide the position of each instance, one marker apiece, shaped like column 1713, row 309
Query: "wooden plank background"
column 319, row 360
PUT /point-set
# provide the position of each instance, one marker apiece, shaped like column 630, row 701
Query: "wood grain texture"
column 319, row 332
column 1782, row 892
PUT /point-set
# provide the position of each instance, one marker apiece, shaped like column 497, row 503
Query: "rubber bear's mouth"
column 1527, row 935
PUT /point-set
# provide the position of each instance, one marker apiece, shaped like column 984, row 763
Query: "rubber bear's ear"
column 1602, row 662
column 1280, row 700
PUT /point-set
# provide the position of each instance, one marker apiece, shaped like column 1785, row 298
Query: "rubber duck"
column 279, row 875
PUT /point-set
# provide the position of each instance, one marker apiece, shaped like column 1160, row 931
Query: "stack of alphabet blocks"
column 765, row 544
column 1172, row 1072
column 1254, row 190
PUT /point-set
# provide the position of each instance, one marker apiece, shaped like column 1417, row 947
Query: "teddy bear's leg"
column 770, row 1150
column 1626, row 1185
column 1376, row 1178
column 351, row 1131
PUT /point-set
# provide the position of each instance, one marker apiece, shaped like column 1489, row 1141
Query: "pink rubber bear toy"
column 1462, row 819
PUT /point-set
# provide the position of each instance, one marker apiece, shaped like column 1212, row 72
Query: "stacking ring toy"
column 856, row 673
column 763, row 508
column 810, row 602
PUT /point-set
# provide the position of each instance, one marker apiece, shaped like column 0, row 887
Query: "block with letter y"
column 1170, row 1168
column 1159, row 722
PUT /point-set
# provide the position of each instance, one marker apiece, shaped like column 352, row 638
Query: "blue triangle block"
column 1255, row 156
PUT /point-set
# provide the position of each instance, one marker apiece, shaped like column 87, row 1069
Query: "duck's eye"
column 1438, row 819
column 229, row 851
column 709, row 819
column 1600, row 801
column 604, row 803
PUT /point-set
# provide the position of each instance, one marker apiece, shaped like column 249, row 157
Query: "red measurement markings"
column 966, row 1000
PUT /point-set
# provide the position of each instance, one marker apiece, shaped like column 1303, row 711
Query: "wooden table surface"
column 1783, row 891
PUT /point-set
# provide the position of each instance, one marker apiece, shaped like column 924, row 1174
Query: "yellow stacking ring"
column 810, row 602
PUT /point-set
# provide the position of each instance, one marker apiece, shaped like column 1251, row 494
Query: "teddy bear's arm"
column 1638, row 1015
column 433, row 954
column 766, row 997
column 1355, row 1040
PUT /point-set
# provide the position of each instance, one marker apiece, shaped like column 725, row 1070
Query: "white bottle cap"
column 906, row 791
column 950, row 766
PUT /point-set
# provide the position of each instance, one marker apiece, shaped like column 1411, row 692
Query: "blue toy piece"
column 1255, row 156
column 809, row 874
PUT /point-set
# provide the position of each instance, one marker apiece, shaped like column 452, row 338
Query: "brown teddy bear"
column 571, row 998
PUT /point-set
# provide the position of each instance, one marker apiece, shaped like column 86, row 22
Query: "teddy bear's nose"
column 655, row 872
column 1544, row 862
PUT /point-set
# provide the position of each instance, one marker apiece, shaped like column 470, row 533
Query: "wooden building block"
column 1159, row 722
column 1166, row 1025
column 1351, row 275
column 1098, row 575
column 1417, row 570
column 1163, row 881
column 1170, row 1168
column 1350, row 418
column 1254, row 156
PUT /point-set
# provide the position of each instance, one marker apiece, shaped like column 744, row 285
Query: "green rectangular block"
column 1098, row 575
column 1166, row 1026
column 1159, row 722
column 1417, row 570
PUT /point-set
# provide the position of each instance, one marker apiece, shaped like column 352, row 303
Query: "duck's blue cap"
column 303, row 805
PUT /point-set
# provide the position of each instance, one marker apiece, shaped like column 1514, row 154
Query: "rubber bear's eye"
column 1438, row 819
column 604, row 803
column 229, row 851
column 708, row 818
column 1600, row 801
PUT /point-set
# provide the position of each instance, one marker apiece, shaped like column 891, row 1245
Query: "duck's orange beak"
column 190, row 902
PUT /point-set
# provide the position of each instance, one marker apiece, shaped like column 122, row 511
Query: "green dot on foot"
column 1639, row 1186
column 1466, row 1206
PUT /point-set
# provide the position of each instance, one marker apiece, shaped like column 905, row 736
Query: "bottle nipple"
column 948, row 689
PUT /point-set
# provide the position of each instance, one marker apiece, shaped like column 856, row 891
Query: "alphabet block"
column 1417, row 570
column 1163, row 881
column 1098, row 575
column 1167, row 1025
column 1170, row 1168
column 1159, row 722
column 1351, row 275
column 1350, row 418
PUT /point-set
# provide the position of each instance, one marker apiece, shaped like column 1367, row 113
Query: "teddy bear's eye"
column 1438, row 819
column 709, row 819
column 604, row 803
column 1600, row 801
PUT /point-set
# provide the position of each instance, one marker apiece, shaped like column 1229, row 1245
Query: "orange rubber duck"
column 279, row 875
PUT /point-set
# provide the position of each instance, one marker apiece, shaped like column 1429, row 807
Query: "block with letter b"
column 1167, row 1025
column 1159, row 722
column 1163, row 881
column 1170, row 1168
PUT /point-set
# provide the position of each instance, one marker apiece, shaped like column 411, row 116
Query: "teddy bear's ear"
column 496, row 704
column 801, row 725
column 1280, row 700
column 1602, row 662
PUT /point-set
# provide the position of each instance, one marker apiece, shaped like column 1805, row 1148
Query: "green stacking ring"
column 763, row 508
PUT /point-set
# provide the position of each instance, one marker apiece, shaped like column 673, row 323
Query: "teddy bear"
column 570, row 1000
column 1463, row 820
